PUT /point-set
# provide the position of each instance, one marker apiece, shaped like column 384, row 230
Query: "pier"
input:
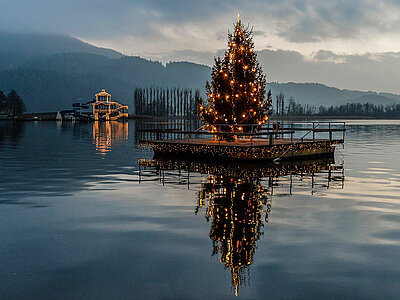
column 289, row 141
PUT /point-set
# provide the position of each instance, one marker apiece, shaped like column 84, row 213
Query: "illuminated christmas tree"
column 236, row 94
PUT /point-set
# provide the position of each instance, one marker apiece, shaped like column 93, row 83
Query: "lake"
column 82, row 217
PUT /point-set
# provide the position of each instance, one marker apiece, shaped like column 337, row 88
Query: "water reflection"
column 102, row 234
column 237, row 199
column 11, row 131
column 234, row 206
column 107, row 133
column 59, row 158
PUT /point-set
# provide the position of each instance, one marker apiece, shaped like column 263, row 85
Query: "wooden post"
column 291, row 134
column 313, row 132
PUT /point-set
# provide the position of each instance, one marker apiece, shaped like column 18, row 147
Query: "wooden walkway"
column 240, row 143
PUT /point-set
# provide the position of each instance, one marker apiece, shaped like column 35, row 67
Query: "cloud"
column 328, row 56
column 316, row 20
column 294, row 21
column 195, row 30
column 367, row 72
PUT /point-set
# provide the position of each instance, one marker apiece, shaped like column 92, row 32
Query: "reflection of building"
column 107, row 133
column 105, row 109
column 234, row 206
column 236, row 196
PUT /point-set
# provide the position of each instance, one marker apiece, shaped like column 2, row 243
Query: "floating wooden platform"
column 250, row 143
column 254, row 150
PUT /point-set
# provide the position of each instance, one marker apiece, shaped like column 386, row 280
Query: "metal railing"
column 184, row 129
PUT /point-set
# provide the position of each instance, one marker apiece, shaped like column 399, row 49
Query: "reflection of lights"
column 234, row 206
column 234, row 199
column 107, row 133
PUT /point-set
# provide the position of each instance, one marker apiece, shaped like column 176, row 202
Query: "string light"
column 265, row 152
column 236, row 84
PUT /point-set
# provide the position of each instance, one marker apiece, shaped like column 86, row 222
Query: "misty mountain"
column 318, row 94
column 54, row 82
column 16, row 48
column 51, row 71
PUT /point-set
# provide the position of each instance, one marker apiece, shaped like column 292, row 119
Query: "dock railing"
column 272, row 130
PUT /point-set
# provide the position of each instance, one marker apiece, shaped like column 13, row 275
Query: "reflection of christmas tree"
column 235, row 197
column 236, row 94
column 234, row 206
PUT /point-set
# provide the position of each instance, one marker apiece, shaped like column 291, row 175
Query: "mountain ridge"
column 50, row 72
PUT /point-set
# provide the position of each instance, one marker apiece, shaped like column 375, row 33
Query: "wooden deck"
column 240, row 143
column 251, row 150
column 264, row 144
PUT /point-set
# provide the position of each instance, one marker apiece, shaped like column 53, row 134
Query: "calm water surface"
column 78, row 222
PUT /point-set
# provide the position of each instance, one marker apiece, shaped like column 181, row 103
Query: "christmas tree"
column 236, row 94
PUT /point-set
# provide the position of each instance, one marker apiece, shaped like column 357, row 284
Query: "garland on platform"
column 238, row 152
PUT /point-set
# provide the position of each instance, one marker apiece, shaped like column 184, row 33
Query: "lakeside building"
column 106, row 109
column 103, row 109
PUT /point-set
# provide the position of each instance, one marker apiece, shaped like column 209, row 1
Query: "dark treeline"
column 166, row 102
column 11, row 105
column 348, row 110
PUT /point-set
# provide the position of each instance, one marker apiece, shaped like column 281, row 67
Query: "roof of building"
column 103, row 93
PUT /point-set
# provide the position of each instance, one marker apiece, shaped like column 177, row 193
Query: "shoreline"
column 51, row 116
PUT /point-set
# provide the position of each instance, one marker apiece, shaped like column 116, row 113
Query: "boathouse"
column 106, row 109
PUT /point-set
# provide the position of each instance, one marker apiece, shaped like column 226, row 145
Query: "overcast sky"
column 196, row 30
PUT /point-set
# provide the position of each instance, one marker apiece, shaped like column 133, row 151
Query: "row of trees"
column 347, row 110
column 166, row 102
column 362, row 110
column 12, row 104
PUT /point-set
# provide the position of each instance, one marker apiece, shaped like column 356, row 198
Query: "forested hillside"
column 16, row 48
column 51, row 71
column 52, row 83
